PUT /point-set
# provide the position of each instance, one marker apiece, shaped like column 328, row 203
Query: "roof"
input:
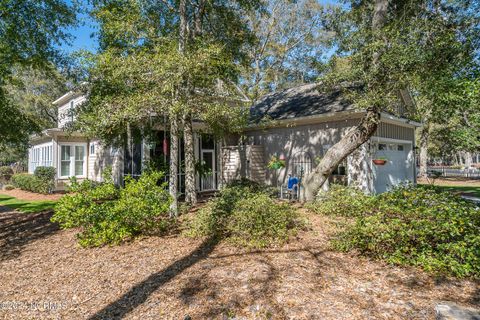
column 302, row 101
column 66, row 97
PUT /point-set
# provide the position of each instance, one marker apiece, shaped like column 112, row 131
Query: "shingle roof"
column 302, row 101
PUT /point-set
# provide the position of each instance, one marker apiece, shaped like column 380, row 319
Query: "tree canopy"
column 30, row 33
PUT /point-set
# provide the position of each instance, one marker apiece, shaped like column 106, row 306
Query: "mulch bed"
column 30, row 196
column 47, row 275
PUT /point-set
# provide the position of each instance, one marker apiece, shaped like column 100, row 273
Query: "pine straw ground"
column 45, row 275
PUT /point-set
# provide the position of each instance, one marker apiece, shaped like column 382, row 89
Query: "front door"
column 207, row 178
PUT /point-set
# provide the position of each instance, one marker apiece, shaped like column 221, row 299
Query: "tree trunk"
column 190, row 192
column 468, row 159
column 358, row 135
column 424, row 135
column 173, row 178
column 336, row 154
column 183, row 25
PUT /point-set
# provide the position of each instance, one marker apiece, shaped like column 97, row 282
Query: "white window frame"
column 40, row 155
column 72, row 160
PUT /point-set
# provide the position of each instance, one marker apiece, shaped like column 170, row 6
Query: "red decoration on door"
column 165, row 146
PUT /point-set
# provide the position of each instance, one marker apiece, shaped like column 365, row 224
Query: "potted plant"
column 275, row 163
column 380, row 161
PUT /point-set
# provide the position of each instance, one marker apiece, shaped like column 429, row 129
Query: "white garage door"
column 397, row 170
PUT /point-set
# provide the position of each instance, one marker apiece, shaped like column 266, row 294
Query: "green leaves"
column 417, row 226
column 107, row 215
column 245, row 214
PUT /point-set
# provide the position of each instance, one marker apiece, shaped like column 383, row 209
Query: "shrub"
column 25, row 181
column 245, row 213
column 258, row 221
column 9, row 187
column 6, row 174
column 30, row 182
column 423, row 227
column 47, row 177
column 107, row 215
column 342, row 201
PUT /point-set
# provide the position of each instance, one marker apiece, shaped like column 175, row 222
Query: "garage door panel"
column 396, row 171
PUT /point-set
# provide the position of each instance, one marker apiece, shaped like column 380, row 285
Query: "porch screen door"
column 208, row 159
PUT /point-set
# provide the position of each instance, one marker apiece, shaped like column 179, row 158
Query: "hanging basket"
column 379, row 162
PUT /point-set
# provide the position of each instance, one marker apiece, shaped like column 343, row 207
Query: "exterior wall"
column 312, row 141
column 64, row 114
column 302, row 141
column 103, row 157
column 395, row 131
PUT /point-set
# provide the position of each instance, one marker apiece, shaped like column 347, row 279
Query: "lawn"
column 466, row 187
column 463, row 190
column 26, row 206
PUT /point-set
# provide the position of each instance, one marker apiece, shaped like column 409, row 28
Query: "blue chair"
column 290, row 191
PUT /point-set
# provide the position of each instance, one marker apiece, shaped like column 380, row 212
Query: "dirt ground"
column 454, row 181
column 30, row 196
column 46, row 275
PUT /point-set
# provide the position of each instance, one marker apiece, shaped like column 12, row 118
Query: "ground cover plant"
column 246, row 214
column 106, row 214
column 424, row 227
column 26, row 206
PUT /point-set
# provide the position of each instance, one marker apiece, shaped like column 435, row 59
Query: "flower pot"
column 379, row 162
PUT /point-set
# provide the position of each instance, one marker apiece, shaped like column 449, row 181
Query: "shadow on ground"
column 18, row 229
column 139, row 293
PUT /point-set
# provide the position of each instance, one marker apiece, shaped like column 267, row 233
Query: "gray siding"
column 393, row 131
column 298, row 142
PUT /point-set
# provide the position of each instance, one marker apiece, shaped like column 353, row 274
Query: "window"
column 382, row 146
column 65, row 161
column 79, row 155
column 72, row 160
column 400, row 147
column 40, row 155
column 92, row 148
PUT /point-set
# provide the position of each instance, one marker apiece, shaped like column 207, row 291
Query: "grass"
column 464, row 190
column 26, row 206
column 472, row 191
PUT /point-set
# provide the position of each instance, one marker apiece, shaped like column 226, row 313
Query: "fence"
column 473, row 173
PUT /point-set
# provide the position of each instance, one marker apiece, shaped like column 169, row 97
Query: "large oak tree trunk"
column 190, row 192
column 423, row 157
column 358, row 135
column 338, row 152
column 173, row 178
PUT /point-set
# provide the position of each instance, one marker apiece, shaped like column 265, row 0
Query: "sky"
column 83, row 37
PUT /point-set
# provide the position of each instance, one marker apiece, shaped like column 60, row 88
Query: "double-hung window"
column 72, row 160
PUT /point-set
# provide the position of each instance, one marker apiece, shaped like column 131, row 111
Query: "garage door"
column 397, row 170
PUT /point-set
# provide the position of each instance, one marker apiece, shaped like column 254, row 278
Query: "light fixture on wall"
column 282, row 157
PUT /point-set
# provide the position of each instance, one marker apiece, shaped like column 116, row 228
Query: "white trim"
column 72, row 146
column 377, row 139
column 388, row 118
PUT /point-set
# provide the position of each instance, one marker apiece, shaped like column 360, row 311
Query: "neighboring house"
column 298, row 125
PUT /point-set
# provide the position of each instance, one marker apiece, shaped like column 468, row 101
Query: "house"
column 298, row 125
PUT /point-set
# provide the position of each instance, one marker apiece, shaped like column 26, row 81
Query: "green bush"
column 107, row 215
column 9, row 187
column 342, row 201
column 47, row 177
column 245, row 214
column 423, row 227
column 30, row 182
column 258, row 221
column 27, row 182
column 6, row 174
